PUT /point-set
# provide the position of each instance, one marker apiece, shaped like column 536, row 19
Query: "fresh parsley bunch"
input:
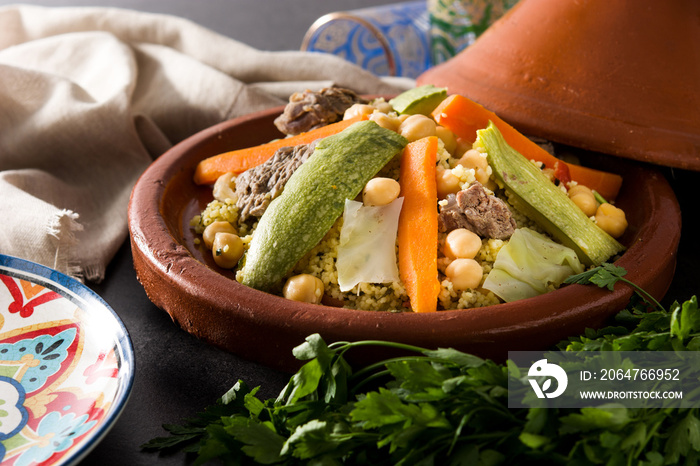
column 446, row 407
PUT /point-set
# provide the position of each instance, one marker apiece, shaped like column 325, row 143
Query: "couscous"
column 465, row 252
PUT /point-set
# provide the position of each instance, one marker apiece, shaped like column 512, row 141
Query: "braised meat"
column 258, row 186
column 308, row 110
column 476, row 210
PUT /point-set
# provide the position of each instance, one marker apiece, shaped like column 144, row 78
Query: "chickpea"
column 357, row 110
column 447, row 137
column 382, row 106
column 461, row 244
column 227, row 250
column 224, row 187
column 611, row 220
column 476, row 160
column 586, row 203
column 380, row 191
column 305, row 288
column 472, row 158
column 417, row 127
column 579, row 189
column 464, row 274
column 385, row 121
column 213, row 228
column 583, row 197
column 447, row 183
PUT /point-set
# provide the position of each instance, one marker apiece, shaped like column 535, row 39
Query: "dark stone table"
column 178, row 375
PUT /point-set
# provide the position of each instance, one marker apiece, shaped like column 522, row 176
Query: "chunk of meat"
column 476, row 210
column 258, row 186
column 309, row 110
column 451, row 216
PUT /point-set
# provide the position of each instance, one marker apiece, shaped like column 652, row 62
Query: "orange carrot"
column 418, row 224
column 464, row 117
column 238, row 161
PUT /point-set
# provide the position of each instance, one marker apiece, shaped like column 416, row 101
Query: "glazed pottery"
column 617, row 77
column 67, row 366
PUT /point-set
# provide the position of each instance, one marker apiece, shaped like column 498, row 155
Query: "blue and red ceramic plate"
column 66, row 366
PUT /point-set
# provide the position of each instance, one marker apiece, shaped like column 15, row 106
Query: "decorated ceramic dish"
column 208, row 302
column 66, row 366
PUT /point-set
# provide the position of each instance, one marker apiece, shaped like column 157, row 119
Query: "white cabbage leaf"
column 530, row 264
column 367, row 248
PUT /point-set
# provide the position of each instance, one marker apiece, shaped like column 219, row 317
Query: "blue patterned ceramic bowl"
column 66, row 366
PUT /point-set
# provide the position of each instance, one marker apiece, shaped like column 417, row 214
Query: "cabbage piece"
column 367, row 249
column 530, row 264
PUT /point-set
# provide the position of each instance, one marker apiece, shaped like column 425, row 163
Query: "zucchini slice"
column 419, row 100
column 530, row 191
column 314, row 198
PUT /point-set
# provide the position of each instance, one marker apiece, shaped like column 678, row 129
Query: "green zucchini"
column 314, row 198
column 419, row 100
column 536, row 196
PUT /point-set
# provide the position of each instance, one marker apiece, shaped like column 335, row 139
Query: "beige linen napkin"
column 89, row 96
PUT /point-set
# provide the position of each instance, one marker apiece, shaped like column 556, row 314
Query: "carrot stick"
column 418, row 224
column 464, row 117
column 238, row 161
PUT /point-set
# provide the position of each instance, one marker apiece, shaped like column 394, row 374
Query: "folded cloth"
column 90, row 96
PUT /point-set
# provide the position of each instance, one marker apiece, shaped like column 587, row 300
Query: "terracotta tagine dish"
column 207, row 302
column 621, row 78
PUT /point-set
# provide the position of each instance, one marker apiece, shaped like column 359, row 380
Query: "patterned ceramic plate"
column 66, row 366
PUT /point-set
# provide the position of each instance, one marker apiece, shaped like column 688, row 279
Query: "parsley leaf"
column 443, row 406
column 606, row 276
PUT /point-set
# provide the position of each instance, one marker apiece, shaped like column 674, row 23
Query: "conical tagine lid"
column 620, row 77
